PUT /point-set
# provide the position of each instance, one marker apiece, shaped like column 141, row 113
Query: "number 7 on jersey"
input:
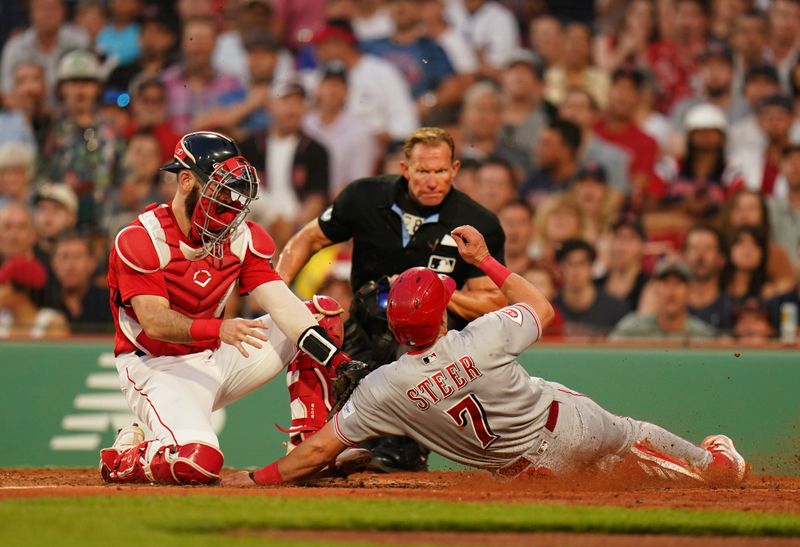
column 470, row 409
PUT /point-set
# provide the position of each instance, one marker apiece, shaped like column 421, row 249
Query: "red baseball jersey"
column 151, row 256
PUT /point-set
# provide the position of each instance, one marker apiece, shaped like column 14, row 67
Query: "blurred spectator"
column 523, row 110
column 83, row 150
column 557, row 158
column 547, row 39
column 297, row 180
column 495, row 184
column 158, row 36
column 618, row 127
column 17, row 231
column 490, row 28
column 465, row 179
column 759, row 163
column 625, row 278
column 598, row 203
column 455, row 44
column 784, row 207
column 189, row 9
column 47, row 39
column 15, row 125
column 55, row 212
column 724, row 15
column 746, row 274
column 749, row 208
column 749, row 42
column 199, row 97
column 423, row 62
column 297, row 20
column 673, row 60
column 784, row 36
column 516, row 218
column 649, row 118
column 371, row 20
column 378, row 94
column 704, row 252
column 119, row 39
column 149, row 112
column 587, row 309
column 480, row 127
column 90, row 16
column 83, row 303
column 575, row 69
column 29, row 95
column 340, row 290
column 352, row 148
column 760, row 82
column 672, row 318
column 544, row 279
column 17, row 168
column 558, row 219
column 752, row 323
column 22, row 282
column 580, row 108
column 629, row 39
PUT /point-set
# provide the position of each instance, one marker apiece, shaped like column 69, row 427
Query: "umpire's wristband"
column 496, row 271
column 205, row 329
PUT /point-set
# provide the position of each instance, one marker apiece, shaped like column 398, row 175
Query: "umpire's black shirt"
column 391, row 232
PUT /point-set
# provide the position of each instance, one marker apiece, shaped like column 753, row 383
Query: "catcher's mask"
column 416, row 305
column 228, row 184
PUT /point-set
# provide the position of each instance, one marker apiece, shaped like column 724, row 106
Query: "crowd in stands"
column 643, row 156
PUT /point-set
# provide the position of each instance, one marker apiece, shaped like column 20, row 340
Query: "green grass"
column 197, row 520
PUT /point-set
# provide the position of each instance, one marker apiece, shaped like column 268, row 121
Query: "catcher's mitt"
column 348, row 376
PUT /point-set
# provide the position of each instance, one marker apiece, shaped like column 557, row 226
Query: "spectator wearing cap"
column 47, row 39
column 378, row 94
column 627, row 41
column 198, row 96
column 587, row 309
column 119, row 39
column 158, row 35
column 22, row 282
column 760, row 82
column 480, row 127
column 580, row 108
column 491, row 29
column 672, row 319
column 17, row 168
column 575, row 69
column 84, row 304
column 784, row 36
column 704, row 253
column 625, row 278
column 523, row 110
column 556, row 155
column 149, row 113
column 296, row 166
column 784, row 207
column 599, row 203
column 17, row 231
column 422, row 62
column 30, row 96
column 618, row 126
column 352, row 148
column 55, row 212
column 83, row 149
column 496, row 183
column 455, row 44
column 759, row 163
column 516, row 219
column 673, row 60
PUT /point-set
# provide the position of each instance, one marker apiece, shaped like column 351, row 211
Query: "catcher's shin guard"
column 309, row 382
column 190, row 463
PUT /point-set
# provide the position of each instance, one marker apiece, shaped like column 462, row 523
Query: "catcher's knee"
column 190, row 463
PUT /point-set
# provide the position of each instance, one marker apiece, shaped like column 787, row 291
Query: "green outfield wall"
column 61, row 402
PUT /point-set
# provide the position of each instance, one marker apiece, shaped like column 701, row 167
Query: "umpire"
column 397, row 222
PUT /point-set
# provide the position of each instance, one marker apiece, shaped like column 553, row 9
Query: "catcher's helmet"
column 417, row 301
column 228, row 184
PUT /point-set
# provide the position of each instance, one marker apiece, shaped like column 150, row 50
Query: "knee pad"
column 328, row 314
column 190, row 463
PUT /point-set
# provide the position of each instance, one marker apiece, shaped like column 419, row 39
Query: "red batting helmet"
column 417, row 300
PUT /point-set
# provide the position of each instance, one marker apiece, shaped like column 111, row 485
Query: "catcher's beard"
column 189, row 206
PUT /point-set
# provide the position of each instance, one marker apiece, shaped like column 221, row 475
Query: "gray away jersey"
column 465, row 397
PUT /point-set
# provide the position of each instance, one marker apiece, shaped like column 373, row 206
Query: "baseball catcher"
column 463, row 394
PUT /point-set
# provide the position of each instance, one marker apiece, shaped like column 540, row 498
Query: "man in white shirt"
column 352, row 147
column 490, row 27
column 378, row 95
column 454, row 43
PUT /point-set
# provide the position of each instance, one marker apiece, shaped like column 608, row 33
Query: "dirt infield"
column 768, row 494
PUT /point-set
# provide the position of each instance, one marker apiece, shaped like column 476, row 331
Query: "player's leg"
column 173, row 396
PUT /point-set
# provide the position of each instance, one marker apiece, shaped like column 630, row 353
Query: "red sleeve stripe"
column 342, row 437
column 535, row 317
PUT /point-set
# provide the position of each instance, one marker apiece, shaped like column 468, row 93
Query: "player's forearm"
column 306, row 459
column 288, row 312
column 168, row 325
column 471, row 304
column 298, row 251
column 517, row 289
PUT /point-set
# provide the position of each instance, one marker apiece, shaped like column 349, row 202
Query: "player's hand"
column 238, row 332
column 471, row 245
column 240, row 479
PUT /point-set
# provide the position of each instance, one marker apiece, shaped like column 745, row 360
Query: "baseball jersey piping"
column 339, row 434
column 141, row 392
